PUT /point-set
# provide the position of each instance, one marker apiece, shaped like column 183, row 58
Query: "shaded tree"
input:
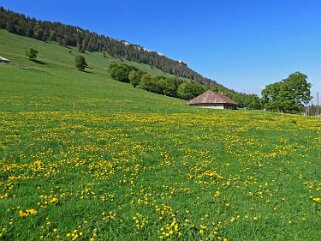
column 80, row 62
column 31, row 53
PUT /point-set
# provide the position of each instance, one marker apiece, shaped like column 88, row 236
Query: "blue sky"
column 243, row 44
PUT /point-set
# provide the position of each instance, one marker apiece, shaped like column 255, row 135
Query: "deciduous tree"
column 80, row 62
column 135, row 76
column 288, row 95
column 189, row 90
column 31, row 53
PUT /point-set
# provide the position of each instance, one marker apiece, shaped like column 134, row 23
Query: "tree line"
column 173, row 86
column 289, row 95
column 170, row 86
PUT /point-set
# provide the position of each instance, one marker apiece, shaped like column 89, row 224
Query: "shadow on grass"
column 39, row 62
column 88, row 72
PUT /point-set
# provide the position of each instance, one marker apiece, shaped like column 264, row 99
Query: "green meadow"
column 84, row 157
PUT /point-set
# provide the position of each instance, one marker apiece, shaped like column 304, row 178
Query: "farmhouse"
column 213, row 100
column 4, row 60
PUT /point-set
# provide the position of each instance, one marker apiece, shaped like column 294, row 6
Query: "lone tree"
column 80, row 62
column 31, row 53
column 288, row 95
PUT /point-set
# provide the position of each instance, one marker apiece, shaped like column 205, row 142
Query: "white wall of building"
column 217, row 107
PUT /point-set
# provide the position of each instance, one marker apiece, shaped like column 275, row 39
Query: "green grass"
column 85, row 157
column 56, row 81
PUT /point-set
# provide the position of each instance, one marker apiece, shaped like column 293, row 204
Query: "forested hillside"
column 85, row 40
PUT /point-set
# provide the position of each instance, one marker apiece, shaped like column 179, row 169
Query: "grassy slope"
column 57, row 78
column 101, row 158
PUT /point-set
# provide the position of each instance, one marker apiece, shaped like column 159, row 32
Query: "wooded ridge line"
column 85, row 40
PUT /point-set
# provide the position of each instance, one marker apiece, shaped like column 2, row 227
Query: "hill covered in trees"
column 85, row 40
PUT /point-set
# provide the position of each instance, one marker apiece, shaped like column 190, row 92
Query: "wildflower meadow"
column 159, row 176
column 84, row 157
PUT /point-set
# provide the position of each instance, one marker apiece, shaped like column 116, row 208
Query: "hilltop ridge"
column 86, row 40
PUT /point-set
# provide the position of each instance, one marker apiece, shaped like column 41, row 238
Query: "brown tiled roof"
column 210, row 97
